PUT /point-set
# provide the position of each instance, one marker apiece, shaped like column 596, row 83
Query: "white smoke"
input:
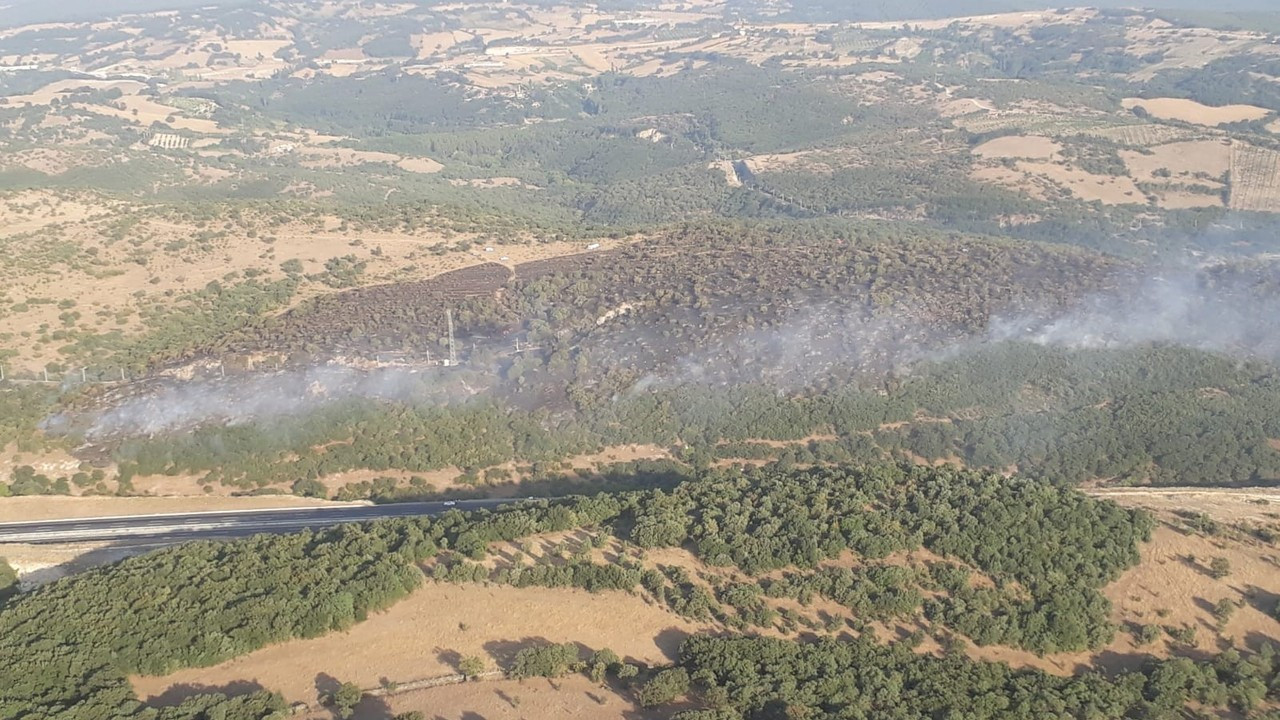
column 1177, row 309
column 1229, row 317
column 807, row 348
column 241, row 400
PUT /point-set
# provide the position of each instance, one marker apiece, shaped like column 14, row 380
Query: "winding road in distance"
column 180, row 527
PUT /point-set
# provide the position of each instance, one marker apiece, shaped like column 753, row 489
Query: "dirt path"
column 1224, row 504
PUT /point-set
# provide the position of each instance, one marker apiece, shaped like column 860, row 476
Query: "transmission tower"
column 453, row 358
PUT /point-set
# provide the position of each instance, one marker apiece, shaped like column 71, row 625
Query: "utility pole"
column 453, row 358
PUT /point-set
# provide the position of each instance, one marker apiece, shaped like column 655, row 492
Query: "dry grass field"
column 570, row 697
column 101, row 278
column 425, row 636
column 1039, row 178
column 1029, row 147
column 1194, row 112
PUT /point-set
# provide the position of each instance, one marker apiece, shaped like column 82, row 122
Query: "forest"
column 758, row 678
column 851, row 334
column 205, row 602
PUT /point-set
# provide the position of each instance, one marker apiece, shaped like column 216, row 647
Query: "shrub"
column 664, row 687
column 546, row 661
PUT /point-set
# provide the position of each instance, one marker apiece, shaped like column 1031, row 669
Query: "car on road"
column 450, row 503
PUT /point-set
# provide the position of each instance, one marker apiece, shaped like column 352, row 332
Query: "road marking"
column 246, row 522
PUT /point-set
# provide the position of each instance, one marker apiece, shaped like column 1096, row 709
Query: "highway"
column 179, row 527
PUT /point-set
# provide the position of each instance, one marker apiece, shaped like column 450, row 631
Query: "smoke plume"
column 241, row 400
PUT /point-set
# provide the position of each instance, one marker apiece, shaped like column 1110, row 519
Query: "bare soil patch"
column 726, row 167
column 785, row 161
column 490, row 182
column 419, row 165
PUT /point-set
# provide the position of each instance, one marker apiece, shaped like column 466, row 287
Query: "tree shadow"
column 1256, row 641
column 452, row 658
column 1112, row 663
column 670, row 640
column 373, row 708
column 1191, row 562
column 176, row 694
column 1262, row 600
column 105, row 555
column 326, row 685
column 369, row 707
column 508, row 699
column 504, row 652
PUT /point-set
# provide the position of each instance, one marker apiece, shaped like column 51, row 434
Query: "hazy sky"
column 19, row 12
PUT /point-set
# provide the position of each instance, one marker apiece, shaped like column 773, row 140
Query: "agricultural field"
column 1255, row 178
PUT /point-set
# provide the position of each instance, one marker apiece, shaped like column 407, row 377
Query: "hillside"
column 812, row 358
column 834, row 562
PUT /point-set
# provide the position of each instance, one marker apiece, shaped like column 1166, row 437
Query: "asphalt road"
column 179, row 527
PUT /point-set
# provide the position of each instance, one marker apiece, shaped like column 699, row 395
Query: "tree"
column 664, row 687
column 1219, row 567
column 602, row 661
column 8, row 581
column 345, row 698
column 545, row 661
column 471, row 666
column 310, row 487
column 1223, row 610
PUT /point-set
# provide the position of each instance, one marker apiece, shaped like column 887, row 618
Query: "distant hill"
column 894, row 10
column 25, row 12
